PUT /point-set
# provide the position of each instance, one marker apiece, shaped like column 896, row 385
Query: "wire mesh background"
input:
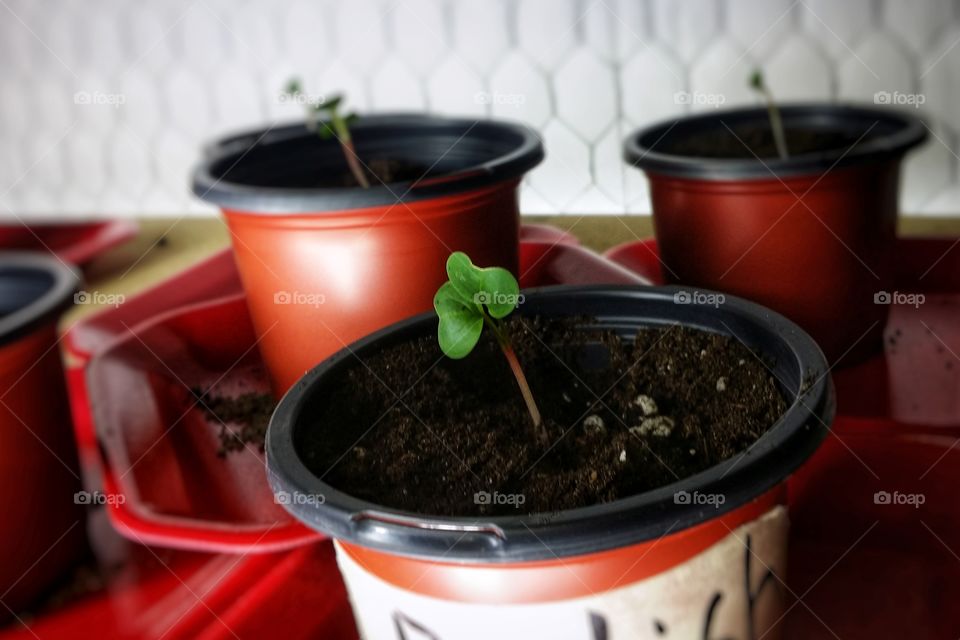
column 105, row 103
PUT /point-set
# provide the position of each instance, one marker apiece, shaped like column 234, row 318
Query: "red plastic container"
column 43, row 528
column 810, row 236
column 660, row 557
column 75, row 243
column 322, row 264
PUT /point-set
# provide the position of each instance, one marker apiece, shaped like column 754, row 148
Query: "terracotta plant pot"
column 324, row 265
column 39, row 476
column 664, row 559
column 810, row 236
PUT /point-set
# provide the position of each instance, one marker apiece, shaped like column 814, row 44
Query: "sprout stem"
column 349, row 152
column 776, row 123
column 539, row 430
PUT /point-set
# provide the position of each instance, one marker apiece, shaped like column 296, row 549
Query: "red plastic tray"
column 76, row 243
column 162, row 593
column 917, row 378
column 858, row 569
column 862, row 569
column 156, row 446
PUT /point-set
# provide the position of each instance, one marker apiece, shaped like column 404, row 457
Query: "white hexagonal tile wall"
column 837, row 26
column 395, row 87
column 584, row 74
column 360, row 35
column 719, row 77
column 877, row 65
column 519, row 92
column 760, row 26
column 564, row 174
column 686, row 27
column 480, row 34
column 917, row 27
column 547, row 29
column 143, row 85
column 83, row 154
column 798, row 71
column 455, row 89
column 650, row 82
column 631, row 27
column 419, row 33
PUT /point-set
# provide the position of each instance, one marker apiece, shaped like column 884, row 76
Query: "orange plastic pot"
column 324, row 265
column 43, row 531
column 810, row 236
column 703, row 553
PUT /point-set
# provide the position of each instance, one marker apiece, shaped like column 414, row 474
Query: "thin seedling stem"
column 539, row 431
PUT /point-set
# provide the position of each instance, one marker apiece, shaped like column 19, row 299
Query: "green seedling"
column 335, row 124
column 776, row 123
column 474, row 298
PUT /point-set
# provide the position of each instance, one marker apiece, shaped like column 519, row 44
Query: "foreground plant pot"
column 679, row 558
column 810, row 236
column 324, row 264
column 43, row 532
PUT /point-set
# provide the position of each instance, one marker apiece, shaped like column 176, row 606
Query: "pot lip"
column 43, row 309
column 639, row 149
column 526, row 152
column 633, row 520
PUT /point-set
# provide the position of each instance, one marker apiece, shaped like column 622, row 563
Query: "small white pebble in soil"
column 566, row 398
column 703, row 353
column 647, row 404
column 721, row 384
column 742, row 362
column 660, row 426
column 594, row 424
column 693, row 452
column 623, row 456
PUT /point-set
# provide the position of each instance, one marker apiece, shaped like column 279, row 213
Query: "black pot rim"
column 648, row 516
column 906, row 131
column 525, row 152
column 65, row 280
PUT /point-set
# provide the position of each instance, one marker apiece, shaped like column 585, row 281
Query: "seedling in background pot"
column 776, row 123
column 475, row 297
column 335, row 125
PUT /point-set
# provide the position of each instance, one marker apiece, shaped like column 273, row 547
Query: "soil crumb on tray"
column 242, row 420
column 414, row 430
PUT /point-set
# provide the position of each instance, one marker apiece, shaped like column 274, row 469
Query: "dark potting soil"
column 752, row 141
column 413, row 430
column 378, row 170
column 241, row 421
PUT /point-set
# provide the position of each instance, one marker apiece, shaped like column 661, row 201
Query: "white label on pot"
column 731, row 591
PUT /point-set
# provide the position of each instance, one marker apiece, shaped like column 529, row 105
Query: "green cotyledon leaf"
column 493, row 287
column 460, row 322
